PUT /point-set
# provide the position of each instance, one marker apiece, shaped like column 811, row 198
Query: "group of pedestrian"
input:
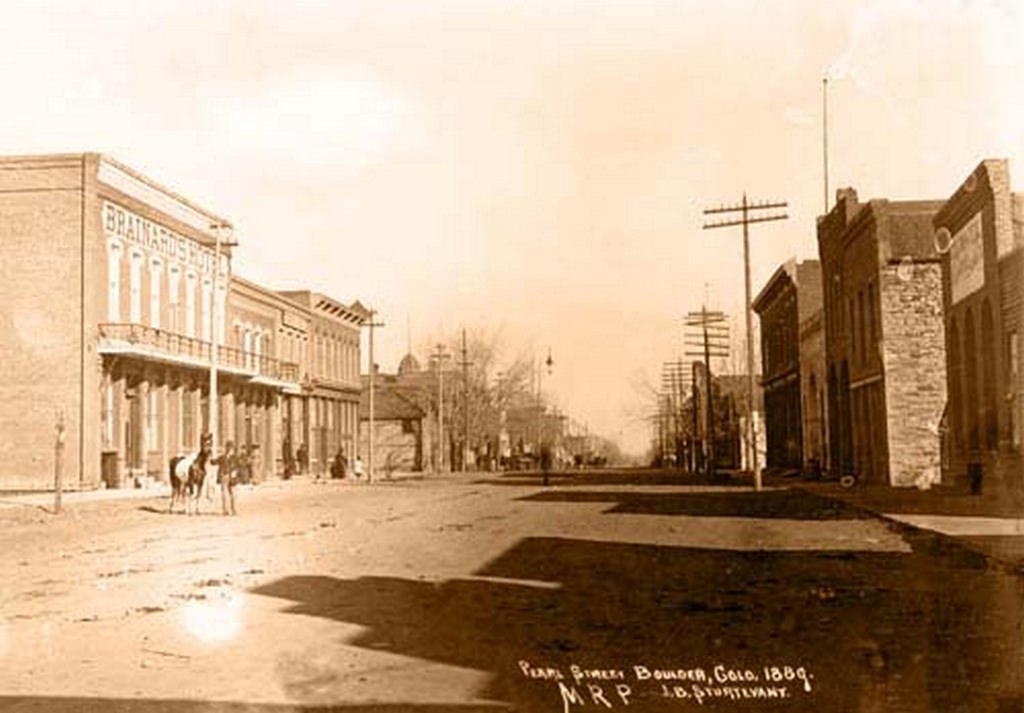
column 234, row 468
column 339, row 466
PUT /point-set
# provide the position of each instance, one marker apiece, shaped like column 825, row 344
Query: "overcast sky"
column 533, row 166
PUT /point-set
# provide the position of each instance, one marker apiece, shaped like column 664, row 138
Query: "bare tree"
column 479, row 386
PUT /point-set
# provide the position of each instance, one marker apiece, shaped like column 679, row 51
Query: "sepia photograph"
column 549, row 356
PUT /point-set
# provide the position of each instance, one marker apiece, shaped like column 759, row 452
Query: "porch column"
column 142, row 457
column 273, row 427
column 164, row 427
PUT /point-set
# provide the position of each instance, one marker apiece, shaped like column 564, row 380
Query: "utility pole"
column 465, row 364
column 439, row 355
column 745, row 208
column 672, row 385
column 707, row 337
column 373, row 374
column 216, row 320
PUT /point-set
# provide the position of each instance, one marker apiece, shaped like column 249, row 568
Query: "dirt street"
column 487, row 593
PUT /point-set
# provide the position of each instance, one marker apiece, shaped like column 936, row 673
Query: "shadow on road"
column 46, row 704
column 784, row 504
column 594, row 477
column 870, row 631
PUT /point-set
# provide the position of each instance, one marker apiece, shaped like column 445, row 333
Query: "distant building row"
column 896, row 357
column 112, row 297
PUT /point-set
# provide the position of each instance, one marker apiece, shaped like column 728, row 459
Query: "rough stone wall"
column 813, row 390
column 913, row 351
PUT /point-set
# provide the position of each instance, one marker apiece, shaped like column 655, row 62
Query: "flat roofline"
column 137, row 175
column 215, row 217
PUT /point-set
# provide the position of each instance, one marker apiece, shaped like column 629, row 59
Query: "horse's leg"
column 174, row 483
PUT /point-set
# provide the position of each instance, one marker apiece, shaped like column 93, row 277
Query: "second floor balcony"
column 161, row 345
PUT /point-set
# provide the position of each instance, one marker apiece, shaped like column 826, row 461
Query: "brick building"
column 979, row 230
column 325, row 415
column 884, row 338
column 111, row 304
column 813, row 379
column 791, row 383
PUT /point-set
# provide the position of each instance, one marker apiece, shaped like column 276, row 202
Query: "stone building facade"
column 979, row 231
column 884, row 338
column 791, row 297
column 113, row 296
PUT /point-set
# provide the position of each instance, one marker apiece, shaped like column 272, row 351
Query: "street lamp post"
column 369, row 456
column 439, row 356
column 549, row 362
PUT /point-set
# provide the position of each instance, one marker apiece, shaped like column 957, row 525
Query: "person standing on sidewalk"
column 357, row 467
column 545, row 461
column 227, row 475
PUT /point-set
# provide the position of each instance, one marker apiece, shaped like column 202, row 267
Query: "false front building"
column 979, row 232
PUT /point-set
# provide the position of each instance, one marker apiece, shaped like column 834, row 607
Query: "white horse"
column 187, row 475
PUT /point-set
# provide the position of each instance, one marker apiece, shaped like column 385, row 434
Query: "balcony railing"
column 191, row 350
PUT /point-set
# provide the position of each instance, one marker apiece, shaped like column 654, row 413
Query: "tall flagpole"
column 824, row 133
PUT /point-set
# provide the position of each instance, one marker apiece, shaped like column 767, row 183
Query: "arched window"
column 222, row 299
column 114, row 253
column 811, row 416
column 156, row 275
column 971, row 383
column 988, row 377
column 206, row 315
column 955, row 390
column 860, row 326
column 872, row 326
column 174, row 298
column 1013, row 388
column 135, row 288
column 190, row 303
